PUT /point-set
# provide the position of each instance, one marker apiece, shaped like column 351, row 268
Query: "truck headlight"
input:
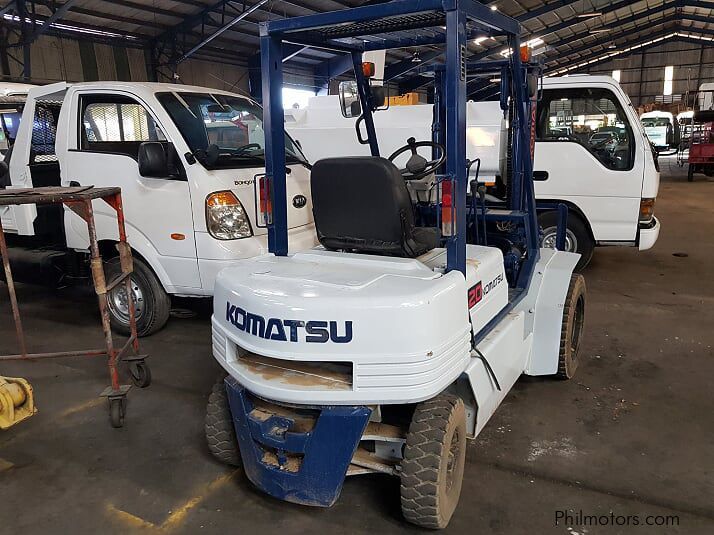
column 646, row 210
column 226, row 218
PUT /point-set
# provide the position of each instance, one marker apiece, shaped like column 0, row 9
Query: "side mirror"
column 153, row 162
column 349, row 99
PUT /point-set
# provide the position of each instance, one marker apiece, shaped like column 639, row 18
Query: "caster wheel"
column 140, row 374
column 117, row 408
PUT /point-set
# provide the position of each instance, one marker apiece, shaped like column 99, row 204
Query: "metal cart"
column 79, row 200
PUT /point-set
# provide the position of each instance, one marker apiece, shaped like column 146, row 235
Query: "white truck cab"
column 591, row 154
column 662, row 129
column 187, row 160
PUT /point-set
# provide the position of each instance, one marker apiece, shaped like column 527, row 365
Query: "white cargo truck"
column 187, row 160
column 591, row 154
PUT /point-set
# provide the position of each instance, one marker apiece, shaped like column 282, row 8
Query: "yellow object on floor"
column 16, row 401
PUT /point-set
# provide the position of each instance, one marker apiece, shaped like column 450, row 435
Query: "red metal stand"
column 79, row 200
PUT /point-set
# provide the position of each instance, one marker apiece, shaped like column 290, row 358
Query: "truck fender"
column 107, row 231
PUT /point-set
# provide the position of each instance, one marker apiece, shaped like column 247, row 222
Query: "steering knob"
column 419, row 167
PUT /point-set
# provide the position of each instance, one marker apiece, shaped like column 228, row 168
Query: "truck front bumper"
column 299, row 455
column 648, row 234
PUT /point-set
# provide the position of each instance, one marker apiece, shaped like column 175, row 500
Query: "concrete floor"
column 632, row 434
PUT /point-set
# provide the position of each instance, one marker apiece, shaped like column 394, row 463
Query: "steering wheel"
column 249, row 146
column 418, row 167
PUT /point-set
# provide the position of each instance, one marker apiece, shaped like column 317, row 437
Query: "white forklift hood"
column 389, row 326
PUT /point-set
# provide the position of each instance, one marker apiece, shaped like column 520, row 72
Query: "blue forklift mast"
column 414, row 23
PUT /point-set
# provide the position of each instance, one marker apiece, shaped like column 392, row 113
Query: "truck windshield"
column 233, row 125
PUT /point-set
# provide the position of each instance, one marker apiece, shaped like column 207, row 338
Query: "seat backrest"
column 361, row 204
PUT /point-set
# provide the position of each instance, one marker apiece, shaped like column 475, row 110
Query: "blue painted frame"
column 353, row 31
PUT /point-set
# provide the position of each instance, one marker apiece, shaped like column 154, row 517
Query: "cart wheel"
column 140, row 374
column 433, row 465
column 117, row 408
column 571, row 332
column 690, row 173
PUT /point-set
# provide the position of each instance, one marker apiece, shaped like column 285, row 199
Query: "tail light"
column 447, row 209
column 646, row 210
column 266, row 201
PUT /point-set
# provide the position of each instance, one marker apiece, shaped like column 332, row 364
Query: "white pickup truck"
column 591, row 154
column 186, row 159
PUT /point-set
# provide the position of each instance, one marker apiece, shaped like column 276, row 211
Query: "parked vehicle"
column 189, row 191
column 12, row 101
column 662, row 129
column 591, row 154
column 701, row 145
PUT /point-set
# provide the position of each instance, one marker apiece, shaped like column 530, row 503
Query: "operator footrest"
column 297, row 454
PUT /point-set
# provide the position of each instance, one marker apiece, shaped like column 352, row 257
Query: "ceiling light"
column 603, row 30
column 416, row 58
column 479, row 40
column 590, row 14
column 494, row 8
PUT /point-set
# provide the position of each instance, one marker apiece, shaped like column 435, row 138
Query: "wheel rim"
column 550, row 239
column 118, row 302
column 452, row 459
column 578, row 320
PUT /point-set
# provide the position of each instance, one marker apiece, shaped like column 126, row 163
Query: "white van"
column 591, row 154
column 662, row 129
column 186, row 159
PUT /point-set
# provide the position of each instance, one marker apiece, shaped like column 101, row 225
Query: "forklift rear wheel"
column 220, row 433
column 152, row 303
column 571, row 333
column 577, row 236
column 433, row 466
column 690, row 173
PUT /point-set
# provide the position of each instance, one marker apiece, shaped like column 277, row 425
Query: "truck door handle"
column 540, row 175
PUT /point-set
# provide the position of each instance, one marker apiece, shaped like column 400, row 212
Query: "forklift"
column 383, row 349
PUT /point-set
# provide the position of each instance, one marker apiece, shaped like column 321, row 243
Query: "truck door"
column 110, row 129
column 587, row 153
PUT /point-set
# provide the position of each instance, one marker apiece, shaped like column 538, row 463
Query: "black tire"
column 577, row 233
column 220, row 433
column 155, row 301
column 117, row 408
column 690, row 173
column 572, row 329
column 432, row 470
column 140, row 374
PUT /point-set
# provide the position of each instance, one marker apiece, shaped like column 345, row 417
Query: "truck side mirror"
column 153, row 162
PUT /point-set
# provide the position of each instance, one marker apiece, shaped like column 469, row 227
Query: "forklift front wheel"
column 571, row 332
column 433, row 466
column 220, row 433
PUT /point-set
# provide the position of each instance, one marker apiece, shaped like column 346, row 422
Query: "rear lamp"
column 646, row 210
column 525, row 53
column 226, row 219
column 447, row 209
column 368, row 69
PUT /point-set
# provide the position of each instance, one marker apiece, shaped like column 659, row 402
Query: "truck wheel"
column 152, row 303
column 220, row 433
column 577, row 236
column 433, row 467
column 571, row 332
column 690, row 173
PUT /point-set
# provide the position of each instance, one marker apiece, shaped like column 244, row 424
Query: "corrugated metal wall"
column 55, row 59
column 642, row 74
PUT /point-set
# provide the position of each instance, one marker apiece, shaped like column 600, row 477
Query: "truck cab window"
column 117, row 125
column 592, row 118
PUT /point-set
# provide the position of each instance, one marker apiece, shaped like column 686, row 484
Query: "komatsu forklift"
column 383, row 349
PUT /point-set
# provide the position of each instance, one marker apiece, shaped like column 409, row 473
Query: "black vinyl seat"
column 361, row 204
